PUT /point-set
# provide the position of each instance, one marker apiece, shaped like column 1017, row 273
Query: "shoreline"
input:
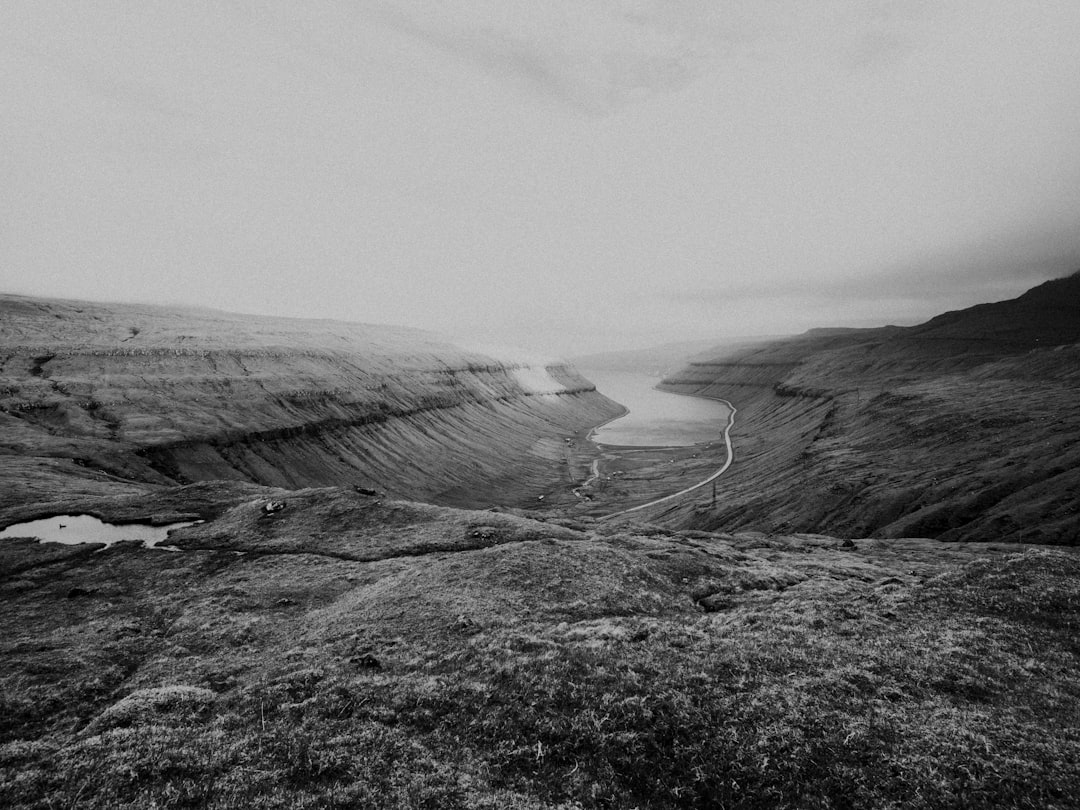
column 726, row 433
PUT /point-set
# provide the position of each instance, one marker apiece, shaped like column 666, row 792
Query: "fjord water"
column 656, row 418
column 74, row 529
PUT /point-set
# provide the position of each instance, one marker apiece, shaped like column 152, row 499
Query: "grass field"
column 352, row 653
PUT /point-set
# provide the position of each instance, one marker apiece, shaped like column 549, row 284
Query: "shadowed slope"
column 93, row 396
column 964, row 427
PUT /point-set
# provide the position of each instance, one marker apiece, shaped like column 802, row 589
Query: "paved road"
column 700, row 484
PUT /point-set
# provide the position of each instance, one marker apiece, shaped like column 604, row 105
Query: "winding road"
column 700, row 484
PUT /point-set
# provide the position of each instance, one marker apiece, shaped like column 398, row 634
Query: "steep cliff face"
column 963, row 428
column 97, row 395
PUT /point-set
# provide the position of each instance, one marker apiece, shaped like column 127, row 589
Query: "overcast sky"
column 565, row 176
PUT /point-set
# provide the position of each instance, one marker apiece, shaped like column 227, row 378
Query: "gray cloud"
column 500, row 53
column 623, row 52
column 569, row 174
column 126, row 92
column 1000, row 269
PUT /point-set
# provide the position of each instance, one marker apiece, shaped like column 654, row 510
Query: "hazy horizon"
column 567, row 178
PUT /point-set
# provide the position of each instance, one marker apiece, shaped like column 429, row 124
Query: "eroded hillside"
column 963, row 428
column 104, row 398
column 339, row 647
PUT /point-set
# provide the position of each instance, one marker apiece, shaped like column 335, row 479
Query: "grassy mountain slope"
column 96, row 396
column 357, row 650
column 961, row 428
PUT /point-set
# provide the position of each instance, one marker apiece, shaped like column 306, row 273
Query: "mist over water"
column 656, row 418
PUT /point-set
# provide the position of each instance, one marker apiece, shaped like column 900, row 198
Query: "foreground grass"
column 638, row 669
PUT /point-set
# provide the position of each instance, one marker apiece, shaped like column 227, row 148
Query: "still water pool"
column 656, row 418
column 75, row 529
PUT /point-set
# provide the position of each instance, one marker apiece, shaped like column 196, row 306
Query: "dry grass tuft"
column 521, row 664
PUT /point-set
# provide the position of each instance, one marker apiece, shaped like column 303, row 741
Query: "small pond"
column 75, row 529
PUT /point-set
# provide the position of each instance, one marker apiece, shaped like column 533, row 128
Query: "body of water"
column 656, row 418
column 75, row 529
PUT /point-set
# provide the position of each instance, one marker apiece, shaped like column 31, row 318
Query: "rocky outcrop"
column 92, row 394
column 962, row 428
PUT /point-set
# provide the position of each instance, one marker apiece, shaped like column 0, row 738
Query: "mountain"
column 335, row 647
column 1047, row 315
column 960, row 428
column 100, row 398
